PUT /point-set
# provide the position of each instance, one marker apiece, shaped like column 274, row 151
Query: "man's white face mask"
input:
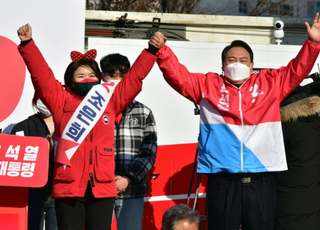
column 237, row 72
column 111, row 80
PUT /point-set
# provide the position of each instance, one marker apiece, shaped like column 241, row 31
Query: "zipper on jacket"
column 91, row 179
column 90, row 174
column 241, row 118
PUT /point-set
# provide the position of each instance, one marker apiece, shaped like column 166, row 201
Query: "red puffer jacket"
column 93, row 161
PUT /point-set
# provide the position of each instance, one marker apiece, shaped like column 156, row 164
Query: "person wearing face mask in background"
column 240, row 143
column 41, row 207
column 135, row 146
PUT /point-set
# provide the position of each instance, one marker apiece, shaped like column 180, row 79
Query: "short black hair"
column 177, row 213
column 113, row 62
column 237, row 43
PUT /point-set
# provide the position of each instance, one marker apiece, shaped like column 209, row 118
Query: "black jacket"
column 35, row 126
column 298, row 189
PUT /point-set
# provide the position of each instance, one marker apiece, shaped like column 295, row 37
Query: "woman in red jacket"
column 83, row 185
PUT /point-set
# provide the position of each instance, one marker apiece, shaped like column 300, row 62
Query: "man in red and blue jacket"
column 241, row 141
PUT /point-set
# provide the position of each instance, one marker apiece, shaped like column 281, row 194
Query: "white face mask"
column 43, row 109
column 111, row 80
column 237, row 72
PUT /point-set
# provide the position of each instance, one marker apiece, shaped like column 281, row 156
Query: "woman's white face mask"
column 237, row 72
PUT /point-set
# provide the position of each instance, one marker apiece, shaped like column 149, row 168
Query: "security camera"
column 278, row 31
column 278, row 25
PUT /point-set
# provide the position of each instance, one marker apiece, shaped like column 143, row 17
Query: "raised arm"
column 44, row 82
column 289, row 77
column 189, row 85
column 158, row 40
column 131, row 84
column 314, row 30
column 25, row 32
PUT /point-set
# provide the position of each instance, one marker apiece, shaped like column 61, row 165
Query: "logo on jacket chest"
column 105, row 119
column 224, row 99
column 255, row 92
column 134, row 122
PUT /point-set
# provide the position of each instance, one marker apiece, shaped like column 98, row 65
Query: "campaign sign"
column 23, row 161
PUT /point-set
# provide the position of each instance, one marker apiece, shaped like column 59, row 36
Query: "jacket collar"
column 305, row 107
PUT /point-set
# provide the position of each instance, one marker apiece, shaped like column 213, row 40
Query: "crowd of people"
column 241, row 144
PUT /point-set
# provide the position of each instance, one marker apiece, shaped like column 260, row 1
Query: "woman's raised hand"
column 158, row 40
column 25, row 32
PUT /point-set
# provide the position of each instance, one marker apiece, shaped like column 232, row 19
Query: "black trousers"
column 75, row 213
column 247, row 199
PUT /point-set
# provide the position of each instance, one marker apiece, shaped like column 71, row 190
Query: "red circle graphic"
column 12, row 77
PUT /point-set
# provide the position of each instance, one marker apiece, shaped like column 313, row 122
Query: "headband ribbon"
column 76, row 56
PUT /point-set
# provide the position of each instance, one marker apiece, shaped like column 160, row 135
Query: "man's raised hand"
column 314, row 30
column 158, row 40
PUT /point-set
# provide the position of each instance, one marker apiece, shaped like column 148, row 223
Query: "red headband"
column 76, row 56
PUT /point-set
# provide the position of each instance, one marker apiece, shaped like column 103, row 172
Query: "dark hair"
column 73, row 66
column 237, row 43
column 179, row 212
column 35, row 99
column 113, row 62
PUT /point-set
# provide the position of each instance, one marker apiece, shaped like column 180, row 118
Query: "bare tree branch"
column 260, row 4
column 232, row 7
column 275, row 5
column 189, row 6
column 126, row 4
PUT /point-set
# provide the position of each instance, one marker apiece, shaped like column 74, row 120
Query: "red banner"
column 23, row 161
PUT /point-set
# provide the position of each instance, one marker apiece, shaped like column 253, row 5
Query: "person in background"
column 135, row 146
column 180, row 217
column 298, row 189
column 240, row 142
column 84, row 113
column 41, row 207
